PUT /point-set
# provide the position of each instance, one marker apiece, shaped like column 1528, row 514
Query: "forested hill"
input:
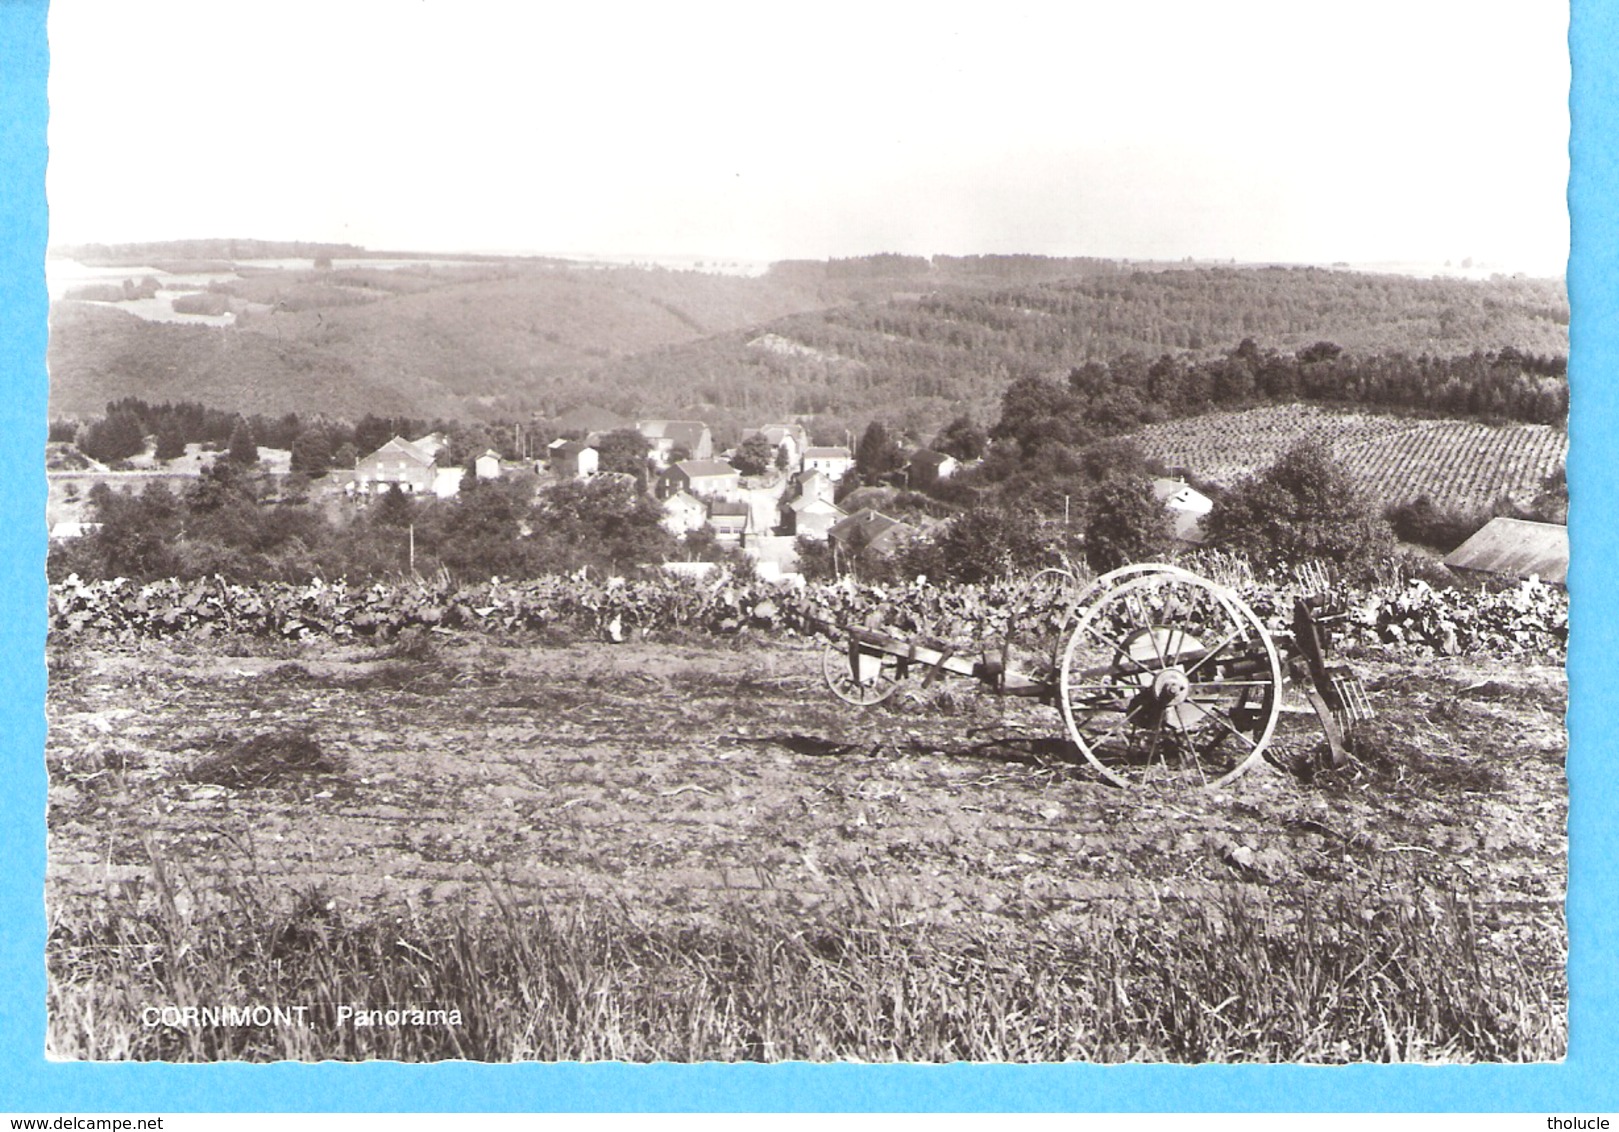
column 911, row 339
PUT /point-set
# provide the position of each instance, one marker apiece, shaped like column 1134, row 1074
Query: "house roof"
column 683, row 499
column 410, row 449
column 1516, row 548
column 683, row 434
column 816, row 502
column 1178, row 495
column 869, row 524
column 725, row 508
column 567, row 449
column 700, row 469
column 838, row 452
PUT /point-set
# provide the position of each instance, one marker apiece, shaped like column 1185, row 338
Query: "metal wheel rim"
column 1107, row 712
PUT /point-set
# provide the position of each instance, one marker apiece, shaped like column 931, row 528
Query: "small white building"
column 487, row 466
column 1187, row 507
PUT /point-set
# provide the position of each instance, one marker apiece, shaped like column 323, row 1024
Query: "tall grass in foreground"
column 1413, row 978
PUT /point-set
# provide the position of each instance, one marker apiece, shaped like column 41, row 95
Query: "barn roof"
column 1516, row 548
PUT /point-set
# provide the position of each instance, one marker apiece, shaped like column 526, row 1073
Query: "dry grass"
column 1397, row 972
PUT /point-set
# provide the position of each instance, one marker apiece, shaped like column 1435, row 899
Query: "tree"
column 1036, row 413
column 117, row 436
column 1302, row 508
column 1127, row 524
column 985, row 544
column 623, row 450
column 243, row 451
column 171, row 443
column 755, row 455
column 877, row 453
column 962, row 439
column 312, row 453
column 395, row 508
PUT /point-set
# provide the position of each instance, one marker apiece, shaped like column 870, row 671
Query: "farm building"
column 1187, row 508
column 487, row 466
column 1515, row 548
column 709, row 479
column 830, row 462
column 403, row 463
column 663, row 437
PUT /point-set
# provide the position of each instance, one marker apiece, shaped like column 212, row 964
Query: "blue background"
column 1589, row 1080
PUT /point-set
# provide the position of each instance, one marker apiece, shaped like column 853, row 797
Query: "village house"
column 1515, row 548
column 487, row 466
column 833, row 463
column 684, row 513
column 816, row 485
column 411, row 466
column 707, row 479
column 870, row 530
column 572, row 459
column 664, row 438
column 1187, row 508
column 812, row 516
column 730, row 519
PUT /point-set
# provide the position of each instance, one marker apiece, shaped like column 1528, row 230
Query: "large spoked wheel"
column 1170, row 680
column 861, row 676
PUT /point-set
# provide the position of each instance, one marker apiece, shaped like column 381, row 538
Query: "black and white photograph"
column 890, row 533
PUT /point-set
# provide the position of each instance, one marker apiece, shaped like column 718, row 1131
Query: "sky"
column 1410, row 131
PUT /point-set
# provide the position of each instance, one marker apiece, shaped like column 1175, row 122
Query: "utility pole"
column 412, row 530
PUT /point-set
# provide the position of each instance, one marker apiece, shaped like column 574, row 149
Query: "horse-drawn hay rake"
column 1163, row 677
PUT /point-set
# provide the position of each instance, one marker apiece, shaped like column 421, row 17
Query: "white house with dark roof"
column 833, row 463
column 706, row 479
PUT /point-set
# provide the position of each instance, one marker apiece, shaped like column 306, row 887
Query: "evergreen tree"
column 243, row 451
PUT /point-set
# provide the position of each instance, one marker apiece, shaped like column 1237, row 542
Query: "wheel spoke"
column 1214, row 652
column 1191, row 750
column 1227, row 724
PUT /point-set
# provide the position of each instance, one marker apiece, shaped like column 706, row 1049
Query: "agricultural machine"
column 1163, row 677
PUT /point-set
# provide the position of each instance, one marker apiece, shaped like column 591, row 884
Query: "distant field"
column 1461, row 464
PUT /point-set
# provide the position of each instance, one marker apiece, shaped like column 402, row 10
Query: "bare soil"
column 676, row 779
